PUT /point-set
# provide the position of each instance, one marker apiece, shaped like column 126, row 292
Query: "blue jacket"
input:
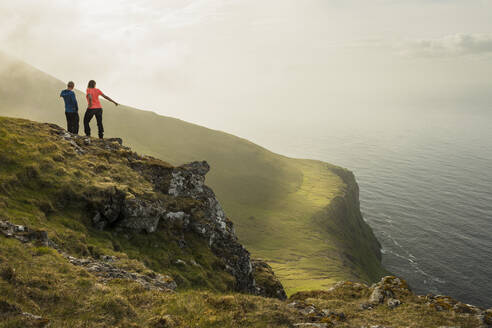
column 71, row 105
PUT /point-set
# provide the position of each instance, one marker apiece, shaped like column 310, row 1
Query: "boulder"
column 393, row 302
column 267, row 283
column 390, row 287
column 377, row 295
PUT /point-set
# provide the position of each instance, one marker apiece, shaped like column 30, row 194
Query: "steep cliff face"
column 342, row 217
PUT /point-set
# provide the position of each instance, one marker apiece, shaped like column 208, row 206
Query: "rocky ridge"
column 385, row 296
column 119, row 210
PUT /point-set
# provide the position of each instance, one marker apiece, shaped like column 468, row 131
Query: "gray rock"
column 178, row 219
column 117, row 211
column 106, row 270
column 393, row 302
column 24, row 234
column 308, row 310
column 79, row 150
column 377, row 296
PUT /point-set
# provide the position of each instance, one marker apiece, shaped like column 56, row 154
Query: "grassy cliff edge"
column 80, row 246
column 301, row 216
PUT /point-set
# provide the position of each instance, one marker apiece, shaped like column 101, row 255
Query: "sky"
column 241, row 65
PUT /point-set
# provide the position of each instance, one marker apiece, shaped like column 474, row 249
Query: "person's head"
column 70, row 85
column 92, row 84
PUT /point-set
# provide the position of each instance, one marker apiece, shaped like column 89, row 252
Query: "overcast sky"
column 232, row 63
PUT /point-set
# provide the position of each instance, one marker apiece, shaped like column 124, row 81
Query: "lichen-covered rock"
column 377, row 295
column 390, row 287
column 24, row 234
column 106, row 270
column 440, row 302
column 267, row 284
column 312, row 316
column 393, row 302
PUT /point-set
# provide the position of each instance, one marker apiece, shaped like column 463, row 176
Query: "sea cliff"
column 95, row 234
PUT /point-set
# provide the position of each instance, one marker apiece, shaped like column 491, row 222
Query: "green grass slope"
column 283, row 208
column 47, row 183
column 44, row 185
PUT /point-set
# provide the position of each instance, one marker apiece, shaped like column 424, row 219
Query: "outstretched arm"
column 109, row 99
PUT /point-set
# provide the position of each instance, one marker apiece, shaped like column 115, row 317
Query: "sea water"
column 425, row 189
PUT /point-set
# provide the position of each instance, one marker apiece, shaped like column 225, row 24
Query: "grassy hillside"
column 283, row 208
column 45, row 185
column 57, row 270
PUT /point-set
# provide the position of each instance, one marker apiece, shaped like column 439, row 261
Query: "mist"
column 247, row 66
column 396, row 91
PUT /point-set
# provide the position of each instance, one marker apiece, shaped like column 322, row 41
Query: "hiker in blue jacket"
column 71, row 108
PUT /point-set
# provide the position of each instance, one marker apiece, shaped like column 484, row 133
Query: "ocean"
column 425, row 188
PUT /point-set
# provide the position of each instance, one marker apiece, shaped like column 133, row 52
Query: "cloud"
column 449, row 46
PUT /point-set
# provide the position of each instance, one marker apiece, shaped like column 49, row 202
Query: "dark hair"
column 92, row 84
column 70, row 84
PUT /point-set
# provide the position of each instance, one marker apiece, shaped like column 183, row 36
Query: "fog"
column 248, row 65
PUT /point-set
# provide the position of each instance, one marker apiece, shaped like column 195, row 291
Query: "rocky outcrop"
column 363, row 301
column 206, row 217
column 389, row 289
column 267, row 283
column 24, row 234
column 315, row 316
column 180, row 200
column 104, row 268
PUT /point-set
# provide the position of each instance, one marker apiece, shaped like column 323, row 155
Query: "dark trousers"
column 72, row 122
column 98, row 112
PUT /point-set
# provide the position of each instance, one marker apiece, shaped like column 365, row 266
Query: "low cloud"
column 449, row 46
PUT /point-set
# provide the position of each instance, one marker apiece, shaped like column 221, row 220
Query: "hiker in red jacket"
column 95, row 108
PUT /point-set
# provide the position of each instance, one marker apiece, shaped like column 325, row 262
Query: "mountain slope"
column 93, row 234
column 302, row 216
